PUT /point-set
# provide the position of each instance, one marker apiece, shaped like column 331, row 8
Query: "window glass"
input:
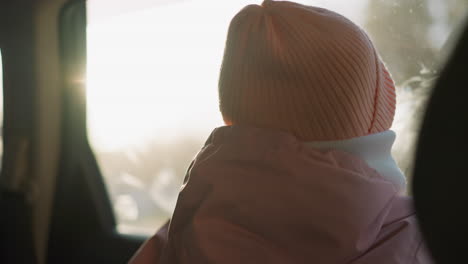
column 152, row 85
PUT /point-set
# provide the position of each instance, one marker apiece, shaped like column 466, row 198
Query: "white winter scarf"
column 375, row 150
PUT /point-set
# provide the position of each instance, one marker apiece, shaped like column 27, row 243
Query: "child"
column 303, row 171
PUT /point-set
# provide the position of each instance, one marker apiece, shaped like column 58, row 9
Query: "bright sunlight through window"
column 152, row 77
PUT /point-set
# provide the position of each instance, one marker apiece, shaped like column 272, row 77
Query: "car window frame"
column 81, row 200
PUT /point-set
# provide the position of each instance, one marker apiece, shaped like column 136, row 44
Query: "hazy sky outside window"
column 152, row 77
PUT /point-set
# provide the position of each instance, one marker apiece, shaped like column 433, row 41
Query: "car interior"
column 96, row 136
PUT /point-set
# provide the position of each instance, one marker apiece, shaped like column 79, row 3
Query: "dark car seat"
column 440, row 175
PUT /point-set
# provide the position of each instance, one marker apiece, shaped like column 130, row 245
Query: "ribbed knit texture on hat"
column 304, row 70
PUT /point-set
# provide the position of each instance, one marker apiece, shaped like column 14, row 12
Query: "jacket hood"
column 259, row 196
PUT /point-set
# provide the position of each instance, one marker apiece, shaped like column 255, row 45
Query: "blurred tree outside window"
column 414, row 37
column 152, row 85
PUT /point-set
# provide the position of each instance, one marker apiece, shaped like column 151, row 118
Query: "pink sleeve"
column 151, row 250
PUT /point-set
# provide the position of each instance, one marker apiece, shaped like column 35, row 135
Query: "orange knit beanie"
column 304, row 70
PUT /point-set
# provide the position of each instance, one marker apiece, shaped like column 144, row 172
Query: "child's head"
column 305, row 70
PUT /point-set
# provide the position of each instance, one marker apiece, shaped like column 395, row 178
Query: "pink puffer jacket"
column 259, row 196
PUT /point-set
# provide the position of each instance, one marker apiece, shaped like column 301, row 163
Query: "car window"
column 152, row 85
